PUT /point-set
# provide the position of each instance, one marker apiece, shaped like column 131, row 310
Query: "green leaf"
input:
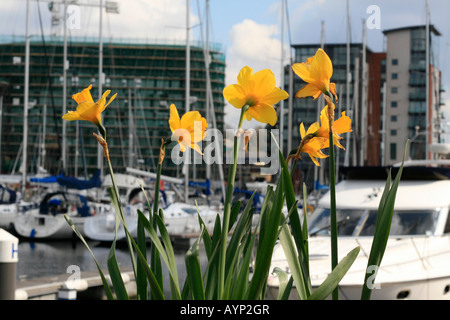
column 294, row 265
column 264, row 252
column 111, row 262
column 172, row 264
column 333, row 279
column 295, row 224
column 193, row 270
column 141, row 281
column 169, row 261
column 108, row 291
column 383, row 226
column 156, row 290
column 284, row 283
column 115, row 275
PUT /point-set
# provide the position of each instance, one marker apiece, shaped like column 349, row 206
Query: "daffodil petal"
column 322, row 65
column 188, row 120
column 263, row 113
column 245, row 78
column 72, row 115
column 309, row 90
column 110, row 100
column 83, row 96
column 302, row 70
column 275, row 96
column 302, row 130
column 235, row 95
column 88, row 111
column 264, row 82
column 174, row 118
column 196, row 148
column 343, row 124
column 313, row 128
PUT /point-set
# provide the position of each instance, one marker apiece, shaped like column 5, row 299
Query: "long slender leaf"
column 158, row 246
column 194, row 272
column 382, row 227
column 265, row 250
column 141, row 281
column 294, row 265
column 212, row 269
column 175, row 286
column 111, row 262
column 333, row 279
column 241, row 283
column 155, row 287
column 284, row 283
column 115, row 275
column 106, row 286
column 297, row 231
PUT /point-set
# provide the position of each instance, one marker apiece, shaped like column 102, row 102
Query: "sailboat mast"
column 25, row 99
column 64, row 107
column 206, row 53
column 282, row 77
column 347, row 88
column 427, row 83
column 363, row 127
column 187, row 94
column 100, row 82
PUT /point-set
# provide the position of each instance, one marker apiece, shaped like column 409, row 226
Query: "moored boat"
column 416, row 263
column 48, row 222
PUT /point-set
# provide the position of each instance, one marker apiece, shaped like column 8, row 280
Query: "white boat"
column 416, row 263
column 181, row 219
column 48, row 222
column 101, row 226
column 10, row 206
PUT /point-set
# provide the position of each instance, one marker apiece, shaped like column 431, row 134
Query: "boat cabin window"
column 447, row 223
column 190, row 210
column 353, row 222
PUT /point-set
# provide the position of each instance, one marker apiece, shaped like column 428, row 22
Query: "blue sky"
column 249, row 30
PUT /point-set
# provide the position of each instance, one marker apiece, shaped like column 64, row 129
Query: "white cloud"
column 257, row 46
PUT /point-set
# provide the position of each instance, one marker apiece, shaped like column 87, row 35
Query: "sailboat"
column 47, row 221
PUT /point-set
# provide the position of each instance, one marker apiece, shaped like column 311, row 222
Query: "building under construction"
column 147, row 79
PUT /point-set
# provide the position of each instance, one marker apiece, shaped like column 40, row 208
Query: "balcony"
column 417, row 95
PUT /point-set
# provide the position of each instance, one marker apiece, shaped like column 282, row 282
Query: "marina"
column 111, row 145
column 44, row 268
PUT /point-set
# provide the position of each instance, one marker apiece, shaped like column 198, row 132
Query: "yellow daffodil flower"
column 87, row 109
column 341, row 125
column 259, row 92
column 313, row 148
column 189, row 130
column 317, row 72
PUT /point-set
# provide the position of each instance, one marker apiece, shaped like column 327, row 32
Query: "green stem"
column 333, row 220
column 122, row 216
column 155, row 261
column 227, row 207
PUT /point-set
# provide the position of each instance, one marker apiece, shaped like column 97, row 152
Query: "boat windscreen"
column 353, row 222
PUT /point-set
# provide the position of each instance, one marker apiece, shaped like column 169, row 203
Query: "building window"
column 394, row 90
column 393, row 118
column 394, row 104
column 393, row 151
column 394, row 76
column 394, row 62
column 393, row 132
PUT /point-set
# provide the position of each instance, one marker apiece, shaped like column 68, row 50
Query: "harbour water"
column 49, row 258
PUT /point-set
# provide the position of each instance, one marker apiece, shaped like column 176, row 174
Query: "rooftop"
column 432, row 28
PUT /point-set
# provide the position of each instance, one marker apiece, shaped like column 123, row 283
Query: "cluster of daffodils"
column 255, row 94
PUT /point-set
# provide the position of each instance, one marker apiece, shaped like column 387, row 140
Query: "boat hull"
column 42, row 226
